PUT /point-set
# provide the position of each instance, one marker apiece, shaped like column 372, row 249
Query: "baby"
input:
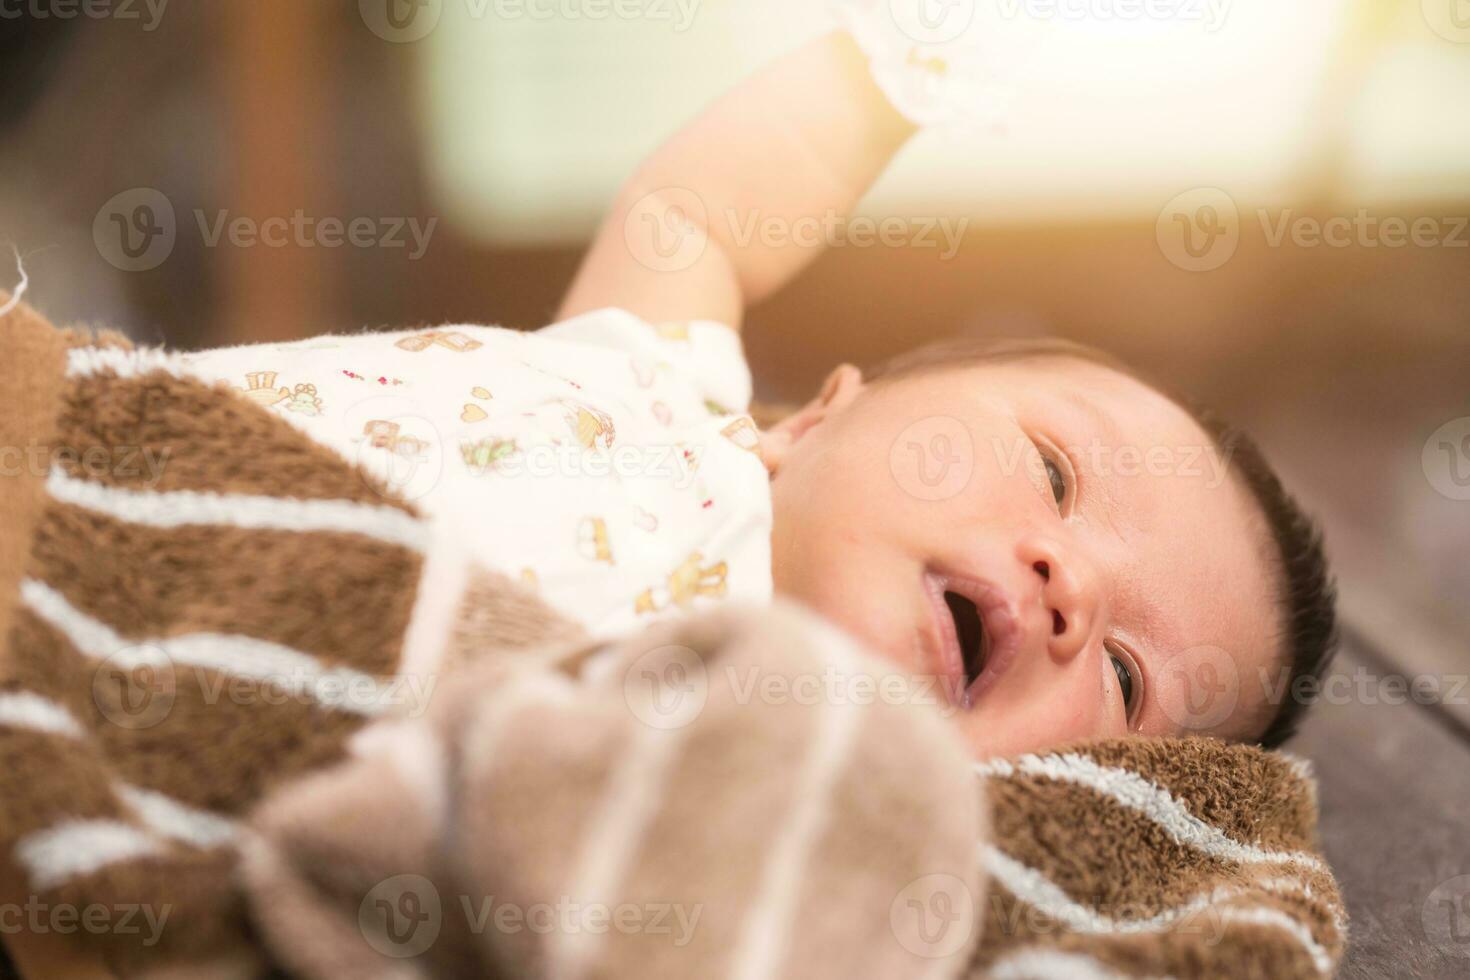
column 1068, row 552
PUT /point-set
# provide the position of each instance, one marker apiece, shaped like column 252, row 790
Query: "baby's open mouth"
column 969, row 629
column 975, row 634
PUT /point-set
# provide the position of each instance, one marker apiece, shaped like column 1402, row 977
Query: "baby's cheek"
column 1209, row 690
column 1008, row 725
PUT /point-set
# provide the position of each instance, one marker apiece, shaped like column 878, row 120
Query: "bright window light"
column 534, row 121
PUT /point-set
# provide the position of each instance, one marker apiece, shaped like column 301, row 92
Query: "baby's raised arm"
column 803, row 138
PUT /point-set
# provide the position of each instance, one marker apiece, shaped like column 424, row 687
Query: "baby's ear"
column 840, row 389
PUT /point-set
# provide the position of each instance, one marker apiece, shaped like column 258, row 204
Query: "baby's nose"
column 1068, row 595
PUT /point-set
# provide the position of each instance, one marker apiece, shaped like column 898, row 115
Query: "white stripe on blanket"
column 31, row 711
column 442, row 585
column 1046, row 964
column 1153, row 801
column 1296, row 888
column 167, row 817
column 415, row 753
column 295, row 673
column 618, row 825
column 1260, row 915
column 78, row 847
column 1033, row 888
column 85, row 362
column 180, row 508
column 102, row 841
column 766, row 933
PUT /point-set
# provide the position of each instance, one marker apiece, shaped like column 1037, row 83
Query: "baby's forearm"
column 805, row 137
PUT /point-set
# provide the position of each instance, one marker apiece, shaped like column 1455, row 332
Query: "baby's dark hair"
column 1307, row 597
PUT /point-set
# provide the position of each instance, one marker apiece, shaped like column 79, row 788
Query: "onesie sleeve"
column 942, row 71
column 707, row 355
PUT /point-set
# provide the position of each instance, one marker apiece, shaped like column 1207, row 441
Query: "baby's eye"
column 1055, row 477
column 1125, row 679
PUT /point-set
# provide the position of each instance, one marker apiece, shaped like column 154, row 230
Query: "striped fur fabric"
column 252, row 719
column 200, row 603
column 1156, row 858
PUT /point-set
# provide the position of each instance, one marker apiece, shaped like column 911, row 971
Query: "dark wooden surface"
column 1395, row 820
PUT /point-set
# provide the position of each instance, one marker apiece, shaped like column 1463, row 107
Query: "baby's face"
column 1060, row 545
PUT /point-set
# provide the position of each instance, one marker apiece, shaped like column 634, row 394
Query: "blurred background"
column 1263, row 202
